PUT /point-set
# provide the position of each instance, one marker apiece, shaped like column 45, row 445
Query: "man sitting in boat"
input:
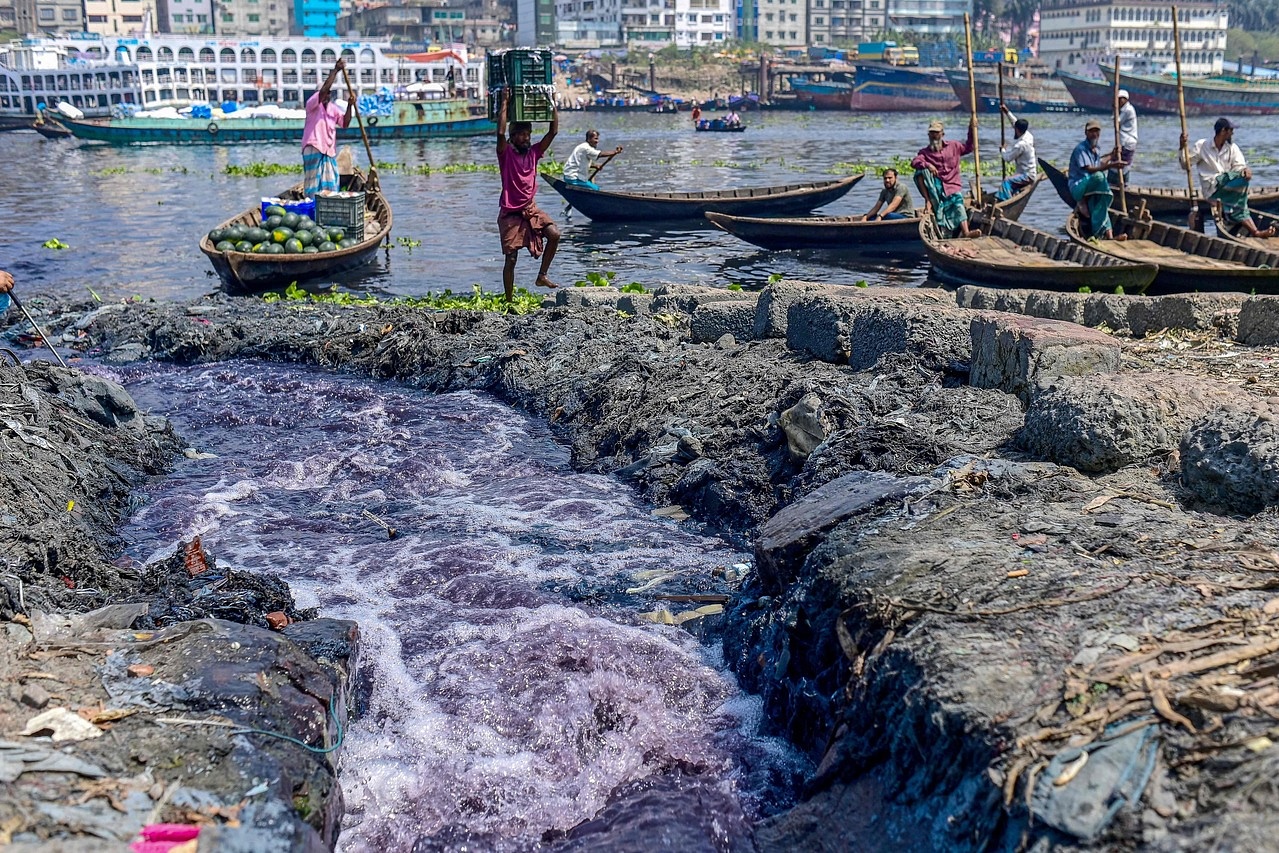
column 1224, row 177
column 894, row 198
column 520, row 222
column 320, row 136
column 1088, row 185
column 937, row 172
column 1127, row 136
column 577, row 168
column 1022, row 155
column 732, row 119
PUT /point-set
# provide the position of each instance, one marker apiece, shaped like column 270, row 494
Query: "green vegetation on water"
column 54, row 243
column 478, row 300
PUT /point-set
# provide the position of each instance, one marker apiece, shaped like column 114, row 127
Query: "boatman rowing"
column 577, row 168
column 1224, row 177
column 320, row 136
column 1022, row 155
column 937, row 171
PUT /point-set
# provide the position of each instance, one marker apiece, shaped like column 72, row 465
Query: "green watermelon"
column 291, row 220
column 225, row 246
column 336, row 235
column 328, row 246
column 272, row 222
column 305, row 223
column 281, row 234
column 244, row 246
column 274, row 249
column 293, row 246
column 216, row 236
column 258, row 235
column 260, row 248
column 310, row 250
column 304, row 237
column 347, row 242
column 235, row 233
column 274, row 210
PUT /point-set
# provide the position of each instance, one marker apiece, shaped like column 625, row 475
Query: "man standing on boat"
column 320, row 136
column 577, row 168
column 1088, row 185
column 894, row 198
column 1127, row 136
column 1224, row 177
column 1022, row 155
column 520, row 222
column 937, row 172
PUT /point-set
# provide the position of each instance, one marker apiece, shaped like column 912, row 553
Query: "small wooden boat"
column 852, row 233
column 1160, row 202
column 608, row 206
column 718, row 125
column 50, row 128
column 244, row 273
column 1188, row 261
column 1009, row 254
column 1235, row 233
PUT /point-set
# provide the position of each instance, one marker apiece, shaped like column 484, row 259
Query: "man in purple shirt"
column 520, row 222
column 937, row 173
column 320, row 135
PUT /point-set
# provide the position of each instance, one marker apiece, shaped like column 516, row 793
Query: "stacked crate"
column 529, row 72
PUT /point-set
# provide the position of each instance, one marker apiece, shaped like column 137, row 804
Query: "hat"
column 1092, row 124
column 937, row 126
column 1123, row 93
column 1222, row 124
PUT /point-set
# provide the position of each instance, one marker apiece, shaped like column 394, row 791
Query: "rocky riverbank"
column 1014, row 576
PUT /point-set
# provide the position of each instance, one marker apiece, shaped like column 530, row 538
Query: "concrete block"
column 635, row 303
column 1016, row 353
column 1012, row 300
column 1230, row 458
column 713, row 320
column 684, row 299
column 775, row 301
column 1050, row 305
column 1104, row 422
column 587, row 296
column 1259, row 321
column 938, row 336
column 821, row 323
column 1182, row 311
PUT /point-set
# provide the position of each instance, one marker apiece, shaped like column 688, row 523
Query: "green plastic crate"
column 527, row 104
column 520, row 67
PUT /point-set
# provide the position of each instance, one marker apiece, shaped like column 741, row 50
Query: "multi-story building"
column 1076, row 35
column 8, row 15
column 120, row 17
column 782, row 22
column 587, row 24
column 316, row 18
column 253, row 17
column 703, row 23
column 420, row 25
column 184, row 17
column 535, row 22
column 49, row 16
column 927, row 17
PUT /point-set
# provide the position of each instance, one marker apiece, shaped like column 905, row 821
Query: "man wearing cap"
column 1088, row 186
column 1223, row 175
column 1127, row 135
column 937, row 174
column 1021, row 154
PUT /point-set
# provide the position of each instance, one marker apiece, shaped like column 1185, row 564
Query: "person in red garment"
column 521, row 223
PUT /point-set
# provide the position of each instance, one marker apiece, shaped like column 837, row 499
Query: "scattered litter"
column 62, row 724
column 1018, row 573
column 657, row 581
column 674, row 512
column 167, row 838
column 665, row 617
column 140, row 670
column 19, row 758
column 192, row 453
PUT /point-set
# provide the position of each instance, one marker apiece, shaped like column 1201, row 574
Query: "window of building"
column 253, row 19
column 227, row 18
column 97, row 19
column 70, row 14
column 47, row 15
column 819, row 21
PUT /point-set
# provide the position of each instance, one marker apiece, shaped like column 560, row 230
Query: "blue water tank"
column 228, row 106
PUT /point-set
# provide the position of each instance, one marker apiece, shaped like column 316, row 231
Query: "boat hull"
column 1161, row 202
column 605, row 206
column 1021, row 96
column 888, row 89
column 436, row 119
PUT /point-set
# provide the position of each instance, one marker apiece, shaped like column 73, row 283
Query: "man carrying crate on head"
column 320, row 136
column 520, row 222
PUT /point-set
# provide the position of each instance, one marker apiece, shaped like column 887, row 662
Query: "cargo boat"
column 881, row 88
column 1205, row 96
column 1021, row 94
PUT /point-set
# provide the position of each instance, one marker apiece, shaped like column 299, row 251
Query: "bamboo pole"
column 1181, row 111
column 972, row 110
column 1003, row 131
column 1119, row 146
column 368, row 149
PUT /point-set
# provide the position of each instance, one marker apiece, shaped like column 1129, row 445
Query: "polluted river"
column 514, row 688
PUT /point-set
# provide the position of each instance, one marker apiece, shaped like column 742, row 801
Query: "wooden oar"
column 1003, row 130
column 39, row 331
column 978, row 199
column 1119, row 146
column 1193, row 216
column 371, row 183
column 600, row 165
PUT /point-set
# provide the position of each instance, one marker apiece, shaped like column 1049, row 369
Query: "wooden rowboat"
column 1235, row 233
column 244, row 273
column 892, row 237
column 1162, row 203
column 608, row 206
column 1009, row 254
column 1188, row 261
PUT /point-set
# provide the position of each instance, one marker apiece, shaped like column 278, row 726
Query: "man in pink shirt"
column 520, row 222
column 320, row 136
column 937, row 174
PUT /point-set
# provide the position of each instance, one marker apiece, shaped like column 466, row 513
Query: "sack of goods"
column 529, row 72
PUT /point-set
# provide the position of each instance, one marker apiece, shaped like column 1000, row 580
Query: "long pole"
column 1181, row 111
column 1003, row 130
column 36, row 326
column 368, row 149
column 1119, row 146
column 972, row 110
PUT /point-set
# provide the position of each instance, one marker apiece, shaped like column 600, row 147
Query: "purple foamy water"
column 515, row 688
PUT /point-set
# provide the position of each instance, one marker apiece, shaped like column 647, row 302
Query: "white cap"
column 1123, row 93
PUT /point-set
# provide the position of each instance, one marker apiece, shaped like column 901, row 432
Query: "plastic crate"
column 345, row 211
column 527, row 104
column 520, row 67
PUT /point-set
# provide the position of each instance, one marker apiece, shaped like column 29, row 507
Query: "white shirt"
column 1128, row 127
column 1212, row 161
column 1022, row 154
column 578, row 165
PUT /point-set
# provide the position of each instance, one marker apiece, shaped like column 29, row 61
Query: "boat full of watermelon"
column 293, row 238
column 399, row 119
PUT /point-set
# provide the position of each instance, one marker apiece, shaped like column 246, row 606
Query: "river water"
column 515, row 686
column 133, row 215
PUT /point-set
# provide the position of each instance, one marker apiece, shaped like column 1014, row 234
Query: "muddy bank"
column 127, row 703
column 982, row 646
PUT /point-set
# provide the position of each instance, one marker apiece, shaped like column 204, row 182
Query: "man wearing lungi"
column 519, row 220
column 320, row 136
column 1224, row 176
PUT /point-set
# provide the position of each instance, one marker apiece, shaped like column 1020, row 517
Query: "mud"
column 982, row 648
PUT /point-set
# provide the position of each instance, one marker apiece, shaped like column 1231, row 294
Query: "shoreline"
column 946, row 610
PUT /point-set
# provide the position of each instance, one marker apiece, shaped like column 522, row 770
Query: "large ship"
column 119, row 76
column 1023, row 92
column 1157, row 95
column 878, row 88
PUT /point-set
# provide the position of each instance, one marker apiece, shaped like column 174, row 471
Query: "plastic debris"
column 167, row 838
column 62, row 724
column 665, row 617
column 19, row 758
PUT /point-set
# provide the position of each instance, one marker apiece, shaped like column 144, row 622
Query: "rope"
column 317, row 750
